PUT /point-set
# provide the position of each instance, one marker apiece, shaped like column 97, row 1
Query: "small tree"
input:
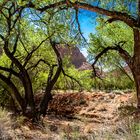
column 20, row 39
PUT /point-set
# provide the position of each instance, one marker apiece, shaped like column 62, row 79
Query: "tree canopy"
column 31, row 31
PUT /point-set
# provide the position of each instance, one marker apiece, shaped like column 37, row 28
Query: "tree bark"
column 48, row 96
column 136, row 64
column 29, row 97
column 45, row 100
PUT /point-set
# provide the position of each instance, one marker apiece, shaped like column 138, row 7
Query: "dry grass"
column 6, row 131
column 96, row 116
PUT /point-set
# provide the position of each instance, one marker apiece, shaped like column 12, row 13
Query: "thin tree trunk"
column 51, row 81
column 137, row 83
column 29, row 97
column 45, row 100
column 48, row 96
column 136, row 64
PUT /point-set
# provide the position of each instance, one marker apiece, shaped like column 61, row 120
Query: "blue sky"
column 88, row 24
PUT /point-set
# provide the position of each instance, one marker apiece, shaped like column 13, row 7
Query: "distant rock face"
column 86, row 66
column 76, row 57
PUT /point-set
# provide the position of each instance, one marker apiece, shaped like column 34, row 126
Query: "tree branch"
column 40, row 60
column 72, row 78
column 50, row 6
column 23, row 45
column 110, row 20
column 15, row 44
column 59, row 61
column 28, row 57
column 114, row 14
column 125, row 72
column 2, row 37
column 17, row 17
column 10, row 56
column 123, row 53
column 9, row 70
column 79, row 27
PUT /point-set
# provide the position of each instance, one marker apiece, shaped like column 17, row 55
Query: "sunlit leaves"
column 108, row 35
column 22, row 2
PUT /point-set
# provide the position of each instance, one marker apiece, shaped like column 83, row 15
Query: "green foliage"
column 84, row 78
column 108, row 34
column 113, row 83
column 121, row 82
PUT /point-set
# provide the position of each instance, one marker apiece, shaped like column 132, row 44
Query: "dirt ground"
column 83, row 116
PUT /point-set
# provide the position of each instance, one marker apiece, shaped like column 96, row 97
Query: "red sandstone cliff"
column 76, row 57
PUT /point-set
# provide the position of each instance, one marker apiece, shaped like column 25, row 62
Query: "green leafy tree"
column 27, row 39
column 106, row 35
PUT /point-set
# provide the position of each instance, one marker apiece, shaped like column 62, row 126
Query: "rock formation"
column 76, row 57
